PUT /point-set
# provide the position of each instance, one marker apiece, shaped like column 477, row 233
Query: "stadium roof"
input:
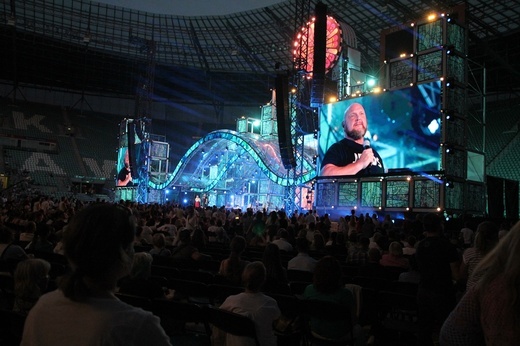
column 226, row 57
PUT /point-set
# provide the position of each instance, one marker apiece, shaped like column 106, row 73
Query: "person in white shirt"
column 84, row 310
column 262, row 309
column 302, row 261
column 282, row 242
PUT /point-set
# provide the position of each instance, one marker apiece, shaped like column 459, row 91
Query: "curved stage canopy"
column 225, row 155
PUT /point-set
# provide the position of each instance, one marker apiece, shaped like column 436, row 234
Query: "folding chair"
column 137, row 301
column 232, row 323
column 323, row 311
column 398, row 316
column 183, row 320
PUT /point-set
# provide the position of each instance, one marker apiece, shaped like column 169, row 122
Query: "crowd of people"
column 111, row 247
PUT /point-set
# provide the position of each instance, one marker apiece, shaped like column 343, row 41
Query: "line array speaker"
column 283, row 121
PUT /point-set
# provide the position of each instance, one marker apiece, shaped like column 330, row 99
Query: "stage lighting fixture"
column 433, row 126
column 449, row 184
column 450, row 49
column 448, row 113
column 450, row 82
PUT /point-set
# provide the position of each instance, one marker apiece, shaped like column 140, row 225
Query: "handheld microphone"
column 366, row 145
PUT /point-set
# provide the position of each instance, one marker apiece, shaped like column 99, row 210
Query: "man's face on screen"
column 355, row 122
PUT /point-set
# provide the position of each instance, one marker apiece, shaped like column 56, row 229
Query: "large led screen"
column 403, row 127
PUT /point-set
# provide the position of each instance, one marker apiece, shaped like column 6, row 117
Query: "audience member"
column 409, row 248
column 359, row 252
column 327, row 286
column 10, row 254
column 159, row 246
column 27, row 235
column 40, row 242
column 412, row 275
column 185, row 250
column 302, row 260
column 466, row 236
column 31, row 278
column 138, row 283
column 283, row 240
column 318, row 243
column 394, row 257
column 84, row 310
column 485, row 240
column 276, row 275
column 232, row 267
column 262, row 309
column 489, row 312
column 438, row 263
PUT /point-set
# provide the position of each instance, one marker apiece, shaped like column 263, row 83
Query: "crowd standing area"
column 381, row 282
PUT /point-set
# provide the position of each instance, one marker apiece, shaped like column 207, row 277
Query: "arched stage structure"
column 237, row 170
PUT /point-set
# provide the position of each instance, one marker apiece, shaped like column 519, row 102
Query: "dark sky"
column 193, row 7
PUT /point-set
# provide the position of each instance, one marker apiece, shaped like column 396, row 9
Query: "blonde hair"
column 141, row 265
column 30, row 277
column 503, row 261
column 395, row 248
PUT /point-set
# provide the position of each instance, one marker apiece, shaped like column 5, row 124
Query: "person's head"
column 327, row 275
column 364, row 242
column 487, row 236
column 283, row 234
column 238, row 245
column 141, row 266
column 302, row 245
column 271, row 255
column 355, row 122
column 253, row 276
column 395, row 248
column 159, row 240
column 99, row 246
column 31, row 277
column 319, row 242
column 411, row 240
column 30, row 227
column 6, row 235
column 432, row 223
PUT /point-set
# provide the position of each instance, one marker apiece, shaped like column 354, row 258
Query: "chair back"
column 137, row 301
column 193, row 291
column 328, row 312
column 11, row 327
column 232, row 323
column 218, row 293
column 183, row 312
column 299, row 275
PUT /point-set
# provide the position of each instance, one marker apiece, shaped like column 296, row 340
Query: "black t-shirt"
column 347, row 151
column 123, row 173
column 434, row 255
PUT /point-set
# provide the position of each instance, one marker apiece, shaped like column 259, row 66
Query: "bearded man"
column 352, row 155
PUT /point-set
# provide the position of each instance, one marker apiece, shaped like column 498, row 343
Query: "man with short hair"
column 302, row 261
column 262, row 309
column 282, row 242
